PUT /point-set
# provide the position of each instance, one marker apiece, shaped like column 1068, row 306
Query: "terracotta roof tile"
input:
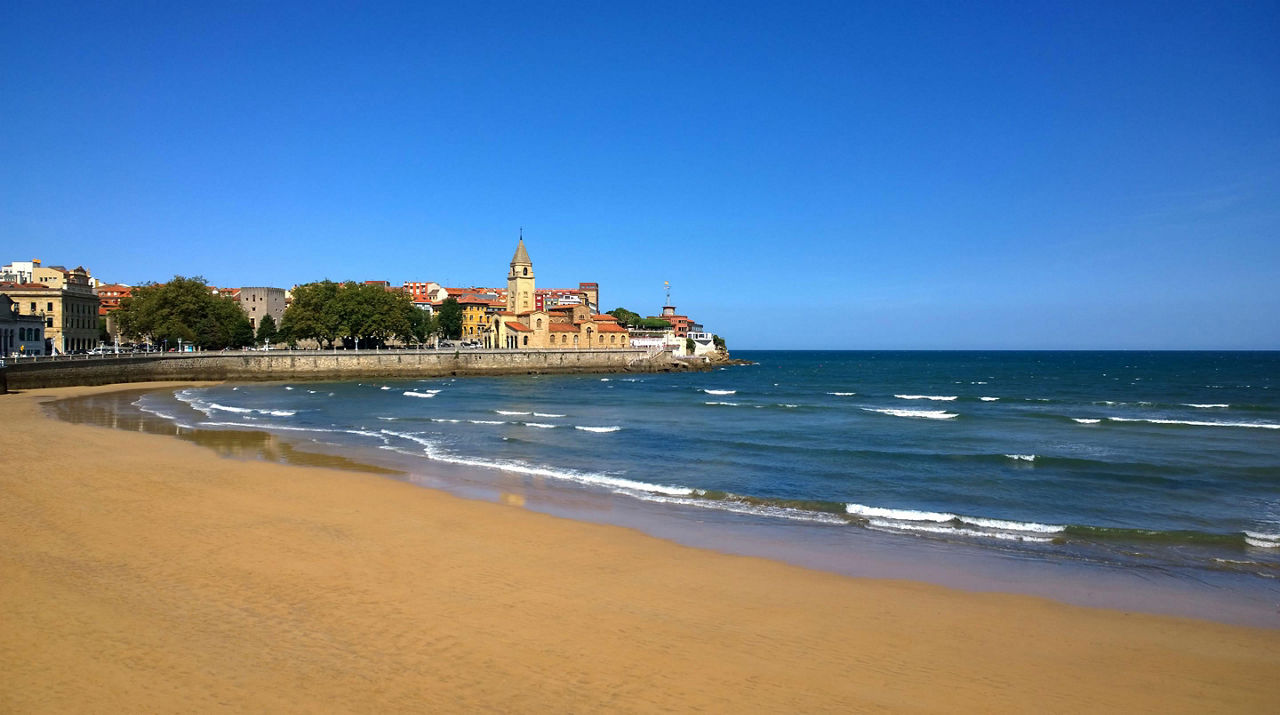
column 519, row 327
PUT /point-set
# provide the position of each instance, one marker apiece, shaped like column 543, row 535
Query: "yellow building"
column 523, row 326
column 475, row 316
column 67, row 303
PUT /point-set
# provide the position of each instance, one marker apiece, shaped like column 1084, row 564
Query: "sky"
column 880, row 175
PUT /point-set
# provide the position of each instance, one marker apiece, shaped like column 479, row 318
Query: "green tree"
column 450, row 319
column 719, row 342
column 689, row 345
column 184, row 310
column 313, row 314
column 423, row 325
column 626, row 317
column 266, row 330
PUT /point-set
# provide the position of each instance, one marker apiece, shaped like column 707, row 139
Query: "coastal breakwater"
column 328, row 365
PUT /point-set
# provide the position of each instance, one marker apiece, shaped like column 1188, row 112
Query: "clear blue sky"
column 811, row 175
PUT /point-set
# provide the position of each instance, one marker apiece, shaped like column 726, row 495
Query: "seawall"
column 326, row 365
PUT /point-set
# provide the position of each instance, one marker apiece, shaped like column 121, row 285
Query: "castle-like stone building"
column 525, row 325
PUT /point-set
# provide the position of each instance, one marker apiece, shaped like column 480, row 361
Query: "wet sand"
column 141, row 572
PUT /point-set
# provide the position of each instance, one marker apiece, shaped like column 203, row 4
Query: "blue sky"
column 809, row 175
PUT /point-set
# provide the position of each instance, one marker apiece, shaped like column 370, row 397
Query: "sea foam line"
column 1206, row 407
column 512, row 412
column 1196, row 423
column 842, row 394
column 924, row 414
column 611, row 428
column 938, row 398
column 1261, row 540
column 1022, row 457
column 432, row 451
column 721, row 392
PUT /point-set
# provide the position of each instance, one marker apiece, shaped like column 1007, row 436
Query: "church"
column 526, row 325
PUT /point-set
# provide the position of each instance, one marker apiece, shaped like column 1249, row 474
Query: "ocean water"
column 1164, row 462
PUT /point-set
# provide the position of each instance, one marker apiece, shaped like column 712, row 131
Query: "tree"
column 312, row 315
column 719, row 342
column 423, row 325
column 629, row 319
column 450, row 319
column 267, row 330
column 689, row 345
column 184, row 310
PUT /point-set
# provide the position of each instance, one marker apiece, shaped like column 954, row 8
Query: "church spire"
column 522, row 256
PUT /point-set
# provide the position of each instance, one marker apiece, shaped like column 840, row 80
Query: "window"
column 50, row 306
column 539, row 323
column 526, row 340
column 48, row 322
column 613, row 338
column 526, row 271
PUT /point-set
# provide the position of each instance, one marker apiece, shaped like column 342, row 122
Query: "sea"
column 1139, row 480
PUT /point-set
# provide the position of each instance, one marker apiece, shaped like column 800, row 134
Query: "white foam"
column 445, row 419
column 613, row 428
column 604, row 379
column 950, row 531
column 539, row 425
column 512, row 412
column 924, row 414
column 287, row 387
column 1022, row 457
column 411, row 393
column 1197, row 423
column 898, row 514
column 487, row 422
column 1085, row 420
column 724, row 404
column 842, row 394
column 721, row 392
column 384, row 387
column 546, row 414
column 1261, row 543
column 939, row 398
column 1206, row 407
column 988, row 399
column 432, row 451
column 1013, row 525
column 786, row 404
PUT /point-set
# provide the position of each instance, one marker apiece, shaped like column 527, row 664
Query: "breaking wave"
column 612, row 428
column 939, row 398
column 721, row 392
column 922, row 414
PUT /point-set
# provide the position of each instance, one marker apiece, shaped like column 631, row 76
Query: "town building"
column 259, row 301
column 525, row 325
column 65, row 301
column 20, row 335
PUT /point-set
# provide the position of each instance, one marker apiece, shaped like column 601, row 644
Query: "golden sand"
column 144, row 573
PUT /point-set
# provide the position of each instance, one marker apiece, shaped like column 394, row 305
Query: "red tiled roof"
column 473, row 300
column 604, row 318
column 611, row 328
column 519, row 327
column 563, row 328
column 25, row 286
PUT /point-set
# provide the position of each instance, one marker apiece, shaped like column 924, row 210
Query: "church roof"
column 522, row 256
column 518, row 327
column 562, row 328
column 610, row 328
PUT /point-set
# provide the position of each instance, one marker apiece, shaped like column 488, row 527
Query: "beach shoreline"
column 145, row 572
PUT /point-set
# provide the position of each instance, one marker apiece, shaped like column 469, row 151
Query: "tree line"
column 326, row 312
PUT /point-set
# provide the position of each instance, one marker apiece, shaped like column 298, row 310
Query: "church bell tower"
column 520, row 280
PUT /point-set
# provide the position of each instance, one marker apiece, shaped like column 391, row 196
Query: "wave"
column 842, row 394
column 988, row 399
column 287, row 387
column 539, row 425
column 946, row 523
column 924, row 414
column 958, row 531
column 1205, row 407
column 898, row 514
column 207, row 406
column 1086, row 420
column 723, row 404
column 487, row 422
column 613, row 428
column 1196, row 423
column 1261, row 540
column 940, row 398
column 512, row 412
column 384, row 387
column 546, row 414
column 1022, row 457
column 433, row 452
column 411, row 393
column 721, row 392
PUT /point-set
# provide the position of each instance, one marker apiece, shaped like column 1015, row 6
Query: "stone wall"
column 330, row 365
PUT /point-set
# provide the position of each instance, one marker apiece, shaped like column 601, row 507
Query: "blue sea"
column 1143, row 470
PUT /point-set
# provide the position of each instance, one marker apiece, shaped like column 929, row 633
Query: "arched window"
column 613, row 338
column 575, row 341
column 602, row 340
column 564, row 339
column 539, row 323
column 526, row 271
column 526, row 340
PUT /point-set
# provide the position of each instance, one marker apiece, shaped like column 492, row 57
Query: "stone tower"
column 520, row 281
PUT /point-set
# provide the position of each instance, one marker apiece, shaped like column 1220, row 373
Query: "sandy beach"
column 145, row 573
